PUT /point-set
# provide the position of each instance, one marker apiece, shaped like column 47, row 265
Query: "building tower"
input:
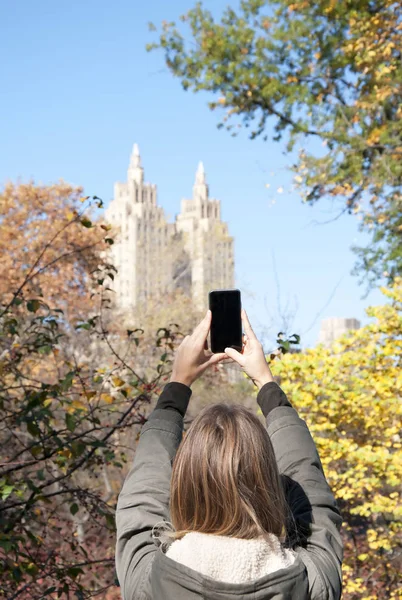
column 207, row 241
column 142, row 238
column 154, row 257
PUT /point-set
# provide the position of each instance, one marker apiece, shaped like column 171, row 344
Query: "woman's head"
column 225, row 480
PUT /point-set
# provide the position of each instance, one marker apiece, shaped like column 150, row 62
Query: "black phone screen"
column 226, row 326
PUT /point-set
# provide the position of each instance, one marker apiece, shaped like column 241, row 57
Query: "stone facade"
column 334, row 327
column 154, row 257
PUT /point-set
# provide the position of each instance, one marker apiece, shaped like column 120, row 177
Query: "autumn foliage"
column 49, row 244
column 350, row 396
column 63, row 412
column 325, row 78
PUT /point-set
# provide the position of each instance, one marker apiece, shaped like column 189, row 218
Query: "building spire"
column 200, row 175
column 135, row 157
column 135, row 169
column 200, row 189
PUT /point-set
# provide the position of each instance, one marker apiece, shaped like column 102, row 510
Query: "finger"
column 227, row 360
column 236, row 356
column 247, row 327
column 216, row 358
column 201, row 331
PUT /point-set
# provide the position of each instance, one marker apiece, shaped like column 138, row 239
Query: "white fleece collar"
column 231, row 560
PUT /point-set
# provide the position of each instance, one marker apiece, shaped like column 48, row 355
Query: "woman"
column 253, row 516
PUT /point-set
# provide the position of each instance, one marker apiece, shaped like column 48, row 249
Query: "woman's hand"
column 192, row 359
column 252, row 360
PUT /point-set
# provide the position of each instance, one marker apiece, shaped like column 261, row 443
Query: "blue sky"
column 79, row 88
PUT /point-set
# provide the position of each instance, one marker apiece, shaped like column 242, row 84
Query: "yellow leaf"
column 117, row 381
column 107, row 398
column 374, row 136
column 78, row 404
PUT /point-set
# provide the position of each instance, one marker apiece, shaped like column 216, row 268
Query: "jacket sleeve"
column 144, row 501
column 297, row 458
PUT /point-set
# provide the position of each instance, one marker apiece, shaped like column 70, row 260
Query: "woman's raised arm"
column 298, row 460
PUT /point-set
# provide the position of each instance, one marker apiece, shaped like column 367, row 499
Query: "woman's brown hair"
column 225, row 479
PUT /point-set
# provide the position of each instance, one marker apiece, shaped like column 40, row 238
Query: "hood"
column 230, row 559
column 207, row 567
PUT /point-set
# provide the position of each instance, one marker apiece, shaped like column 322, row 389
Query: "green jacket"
column 146, row 573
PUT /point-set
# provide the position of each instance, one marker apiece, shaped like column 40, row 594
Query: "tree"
column 59, row 426
column 350, row 396
column 49, row 245
column 329, row 71
column 62, row 418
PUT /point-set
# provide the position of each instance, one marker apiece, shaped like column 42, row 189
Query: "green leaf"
column 110, row 520
column 70, row 422
column 86, row 223
column 6, row 545
column 74, row 508
column 49, row 590
column 86, row 326
column 74, row 571
column 78, row 448
column 67, row 382
column 6, row 491
column 109, row 241
column 45, row 349
column 40, row 475
column 33, row 428
column 33, row 305
column 64, row 590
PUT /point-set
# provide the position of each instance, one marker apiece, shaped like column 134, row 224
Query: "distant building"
column 154, row 257
column 334, row 327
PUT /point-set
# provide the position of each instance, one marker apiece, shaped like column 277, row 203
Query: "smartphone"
column 226, row 326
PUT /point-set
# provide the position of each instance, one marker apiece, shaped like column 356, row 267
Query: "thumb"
column 236, row 356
